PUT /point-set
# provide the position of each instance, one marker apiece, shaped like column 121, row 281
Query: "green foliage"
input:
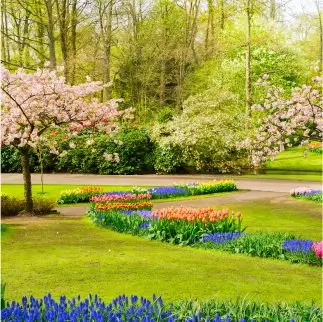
column 168, row 159
column 11, row 206
column 263, row 244
column 258, row 244
column 3, row 301
column 255, row 311
column 317, row 150
column 184, row 232
column 212, row 187
column 43, row 206
column 117, row 221
column 132, row 145
column 316, row 197
column 208, row 141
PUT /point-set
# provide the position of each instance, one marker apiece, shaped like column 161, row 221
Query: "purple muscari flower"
column 220, row 238
column 95, row 311
column 298, row 246
column 166, row 191
column 142, row 213
column 144, row 225
column 118, row 193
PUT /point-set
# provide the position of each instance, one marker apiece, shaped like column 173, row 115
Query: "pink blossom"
column 318, row 249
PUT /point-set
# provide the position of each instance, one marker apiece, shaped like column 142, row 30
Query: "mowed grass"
column 51, row 191
column 293, row 159
column 73, row 256
column 284, row 175
column 303, row 219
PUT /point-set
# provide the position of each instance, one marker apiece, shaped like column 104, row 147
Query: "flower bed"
column 133, row 308
column 211, row 187
column 307, row 193
column 315, row 147
column 182, row 226
column 274, row 245
column 84, row 194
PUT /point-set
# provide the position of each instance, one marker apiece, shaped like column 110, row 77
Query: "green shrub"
column 132, row 145
column 43, row 206
column 168, row 159
column 11, row 206
column 10, row 160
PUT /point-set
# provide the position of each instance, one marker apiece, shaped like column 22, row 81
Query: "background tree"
column 35, row 104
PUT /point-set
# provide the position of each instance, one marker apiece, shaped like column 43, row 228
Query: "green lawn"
column 284, row 175
column 293, row 159
column 51, row 190
column 72, row 256
column 283, row 215
column 291, row 165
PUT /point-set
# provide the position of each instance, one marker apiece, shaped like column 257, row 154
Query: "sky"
column 299, row 6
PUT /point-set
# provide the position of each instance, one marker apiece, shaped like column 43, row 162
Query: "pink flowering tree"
column 286, row 119
column 36, row 105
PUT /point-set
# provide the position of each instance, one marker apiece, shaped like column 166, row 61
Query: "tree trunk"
column 222, row 18
column 50, row 31
column 273, row 10
column 162, row 83
column 27, row 179
column 317, row 3
column 248, row 71
column 73, row 40
column 63, row 13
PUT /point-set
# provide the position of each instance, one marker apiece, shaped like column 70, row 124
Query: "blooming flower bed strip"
column 307, row 193
column 123, row 206
column 134, row 308
column 120, row 197
column 220, row 238
column 82, row 194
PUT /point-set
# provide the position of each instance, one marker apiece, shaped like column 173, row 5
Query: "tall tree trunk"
column 248, row 70
column 209, row 34
column 273, row 10
column 73, row 40
column 162, row 83
column 4, row 31
column 40, row 34
column 63, row 13
column 222, row 16
column 106, row 34
column 317, row 4
column 27, row 179
column 50, row 31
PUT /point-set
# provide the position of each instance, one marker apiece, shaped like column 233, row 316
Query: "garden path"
column 157, row 180
column 258, row 189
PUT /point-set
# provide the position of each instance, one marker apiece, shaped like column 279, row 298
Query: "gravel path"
column 157, row 180
column 258, row 189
